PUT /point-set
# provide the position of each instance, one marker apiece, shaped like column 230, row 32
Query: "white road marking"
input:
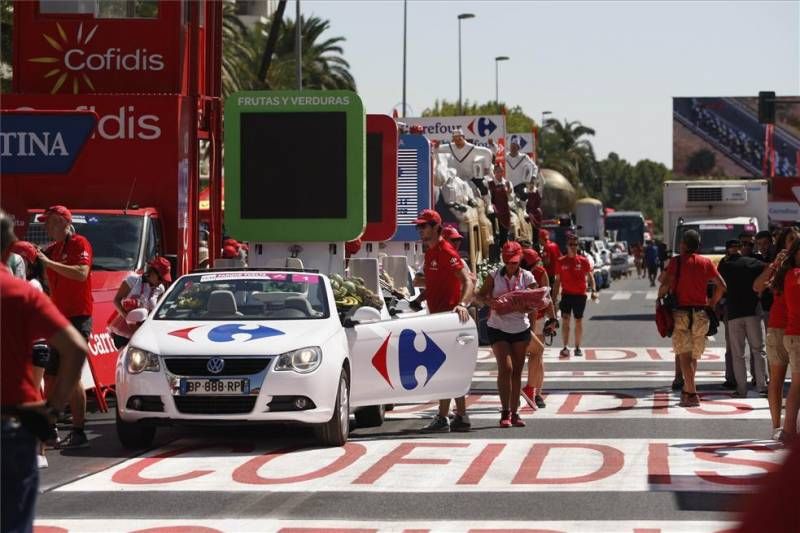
column 627, row 404
column 621, row 295
column 651, row 295
column 446, row 466
column 615, row 355
column 383, row 526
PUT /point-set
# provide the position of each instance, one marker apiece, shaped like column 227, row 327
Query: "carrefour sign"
column 477, row 129
column 43, row 142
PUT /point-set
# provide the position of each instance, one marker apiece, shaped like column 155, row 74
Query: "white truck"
column 720, row 210
column 590, row 218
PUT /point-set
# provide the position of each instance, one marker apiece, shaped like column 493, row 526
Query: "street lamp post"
column 461, row 17
column 497, row 61
column 405, row 24
column 544, row 114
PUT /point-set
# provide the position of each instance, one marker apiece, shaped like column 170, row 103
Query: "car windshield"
column 115, row 239
column 628, row 228
column 246, row 296
column 713, row 236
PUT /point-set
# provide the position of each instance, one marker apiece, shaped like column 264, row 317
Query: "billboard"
column 478, row 130
column 722, row 137
column 274, row 190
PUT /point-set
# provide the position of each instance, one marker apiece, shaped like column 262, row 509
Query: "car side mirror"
column 366, row 315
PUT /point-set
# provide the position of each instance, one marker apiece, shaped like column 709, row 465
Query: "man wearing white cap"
column 520, row 169
column 464, row 156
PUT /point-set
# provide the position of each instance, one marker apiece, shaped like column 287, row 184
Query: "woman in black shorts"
column 510, row 333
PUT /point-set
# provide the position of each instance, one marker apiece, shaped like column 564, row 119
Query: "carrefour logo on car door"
column 431, row 357
column 230, row 332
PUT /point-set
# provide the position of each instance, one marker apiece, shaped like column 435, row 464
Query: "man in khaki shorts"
column 687, row 278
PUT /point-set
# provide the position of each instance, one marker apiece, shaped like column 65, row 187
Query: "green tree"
column 324, row 66
column 636, row 187
column 238, row 53
column 565, row 147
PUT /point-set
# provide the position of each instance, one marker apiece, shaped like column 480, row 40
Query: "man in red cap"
column 573, row 275
column 68, row 263
column 448, row 288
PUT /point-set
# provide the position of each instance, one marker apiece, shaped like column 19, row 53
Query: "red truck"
column 150, row 72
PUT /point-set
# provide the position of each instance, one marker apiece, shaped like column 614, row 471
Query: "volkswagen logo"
column 215, row 365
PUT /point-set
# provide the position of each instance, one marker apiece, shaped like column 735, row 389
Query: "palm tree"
column 238, row 54
column 324, row 66
column 565, row 148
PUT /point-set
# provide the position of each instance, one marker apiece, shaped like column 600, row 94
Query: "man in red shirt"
column 448, row 288
column 689, row 286
column 573, row 274
column 550, row 254
column 26, row 315
column 68, row 263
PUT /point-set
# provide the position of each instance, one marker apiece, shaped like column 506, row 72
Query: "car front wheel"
column 334, row 432
column 134, row 435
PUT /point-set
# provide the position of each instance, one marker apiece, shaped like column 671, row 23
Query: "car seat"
column 301, row 304
column 221, row 303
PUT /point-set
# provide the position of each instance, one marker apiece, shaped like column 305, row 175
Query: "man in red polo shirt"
column 691, row 315
column 573, row 276
column 68, row 262
column 448, row 288
column 26, row 315
column 550, row 254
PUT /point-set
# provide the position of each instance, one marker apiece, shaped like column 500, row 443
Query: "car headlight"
column 304, row 360
column 138, row 360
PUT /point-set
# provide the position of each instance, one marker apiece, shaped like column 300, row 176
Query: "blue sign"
column 38, row 142
column 413, row 184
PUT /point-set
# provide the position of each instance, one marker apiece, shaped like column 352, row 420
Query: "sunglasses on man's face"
column 572, row 244
column 423, row 226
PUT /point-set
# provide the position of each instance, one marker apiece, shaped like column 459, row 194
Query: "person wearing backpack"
column 687, row 278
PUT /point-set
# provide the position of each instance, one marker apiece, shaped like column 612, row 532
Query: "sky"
column 614, row 66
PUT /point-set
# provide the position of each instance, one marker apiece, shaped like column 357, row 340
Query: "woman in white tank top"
column 509, row 333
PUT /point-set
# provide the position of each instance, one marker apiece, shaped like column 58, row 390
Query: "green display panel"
column 295, row 166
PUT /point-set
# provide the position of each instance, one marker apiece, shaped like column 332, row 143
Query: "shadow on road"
column 650, row 317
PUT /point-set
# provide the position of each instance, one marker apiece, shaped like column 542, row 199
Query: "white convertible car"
column 262, row 345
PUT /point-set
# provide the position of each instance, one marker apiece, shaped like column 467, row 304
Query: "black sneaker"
column 729, row 384
column 677, row 384
column 460, row 423
column 539, row 402
column 75, row 440
column 439, row 424
column 578, row 352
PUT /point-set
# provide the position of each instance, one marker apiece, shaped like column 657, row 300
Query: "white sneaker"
column 777, row 434
column 41, row 461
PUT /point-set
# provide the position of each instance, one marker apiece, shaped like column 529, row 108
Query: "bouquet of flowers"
column 521, row 301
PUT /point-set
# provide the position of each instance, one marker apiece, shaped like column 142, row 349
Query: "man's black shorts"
column 83, row 324
column 498, row 335
column 573, row 304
